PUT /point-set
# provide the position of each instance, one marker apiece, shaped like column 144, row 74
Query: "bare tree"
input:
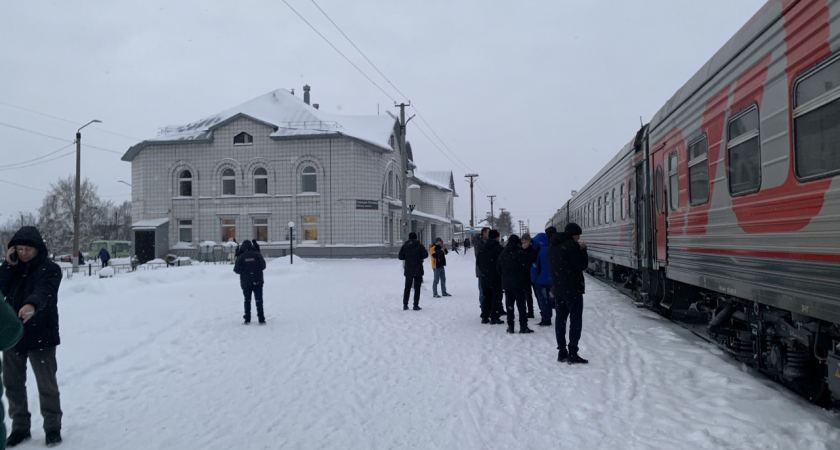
column 12, row 224
column 56, row 214
column 505, row 223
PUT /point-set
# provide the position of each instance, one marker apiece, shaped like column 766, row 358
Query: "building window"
column 243, row 139
column 673, row 181
column 185, row 231
column 309, row 180
column 261, row 229
column 658, row 186
column 744, row 153
column 260, row 181
column 228, row 229
column 391, row 185
column 228, row 182
column 816, row 122
column 185, row 184
column 385, row 237
column 310, row 228
column 698, row 171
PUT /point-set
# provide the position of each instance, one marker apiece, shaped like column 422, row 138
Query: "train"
column 724, row 210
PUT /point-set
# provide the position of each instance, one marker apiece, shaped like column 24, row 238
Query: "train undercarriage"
column 798, row 351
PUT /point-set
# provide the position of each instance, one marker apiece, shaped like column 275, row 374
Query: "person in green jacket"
column 11, row 330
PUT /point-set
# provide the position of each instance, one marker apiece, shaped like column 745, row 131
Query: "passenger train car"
column 726, row 206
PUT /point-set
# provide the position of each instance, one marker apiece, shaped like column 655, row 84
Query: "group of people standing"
column 551, row 265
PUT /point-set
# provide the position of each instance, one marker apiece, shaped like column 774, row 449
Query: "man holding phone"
column 30, row 281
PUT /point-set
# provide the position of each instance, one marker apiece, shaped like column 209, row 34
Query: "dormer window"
column 243, row 139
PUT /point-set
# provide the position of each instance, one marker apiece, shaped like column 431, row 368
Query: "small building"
column 246, row 172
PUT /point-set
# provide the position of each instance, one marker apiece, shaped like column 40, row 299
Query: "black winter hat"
column 493, row 234
column 550, row 231
column 29, row 236
column 573, row 229
column 412, row 235
column 527, row 237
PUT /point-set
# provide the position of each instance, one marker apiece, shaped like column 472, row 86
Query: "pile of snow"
column 106, row 272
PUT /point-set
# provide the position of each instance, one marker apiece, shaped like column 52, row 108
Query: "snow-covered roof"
column 149, row 224
column 290, row 116
column 441, row 179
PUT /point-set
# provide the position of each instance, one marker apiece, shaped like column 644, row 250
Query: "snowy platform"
column 161, row 359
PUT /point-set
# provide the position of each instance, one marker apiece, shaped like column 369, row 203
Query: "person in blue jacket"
column 541, row 277
column 104, row 256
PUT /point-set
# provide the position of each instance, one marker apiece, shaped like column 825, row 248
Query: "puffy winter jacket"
column 36, row 283
column 567, row 262
column 438, row 257
column 413, row 253
column 540, row 273
column 249, row 265
column 488, row 258
column 514, row 265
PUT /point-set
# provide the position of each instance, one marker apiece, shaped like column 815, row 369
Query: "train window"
column 744, row 153
column 816, row 122
column 612, row 205
column 630, row 206
column 658, row 187
column 607, row 207
column 621, row 200
column 698, row 171
column 599, row 210
column 673, row 181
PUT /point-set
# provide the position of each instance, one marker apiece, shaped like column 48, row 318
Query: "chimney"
column 306, row 94
column 293, row 91
column 315, row 105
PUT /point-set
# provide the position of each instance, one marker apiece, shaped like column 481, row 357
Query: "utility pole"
column 78, row 206
column 520, row 227
column 492, row 217
column 472, row 177
column 403, row 122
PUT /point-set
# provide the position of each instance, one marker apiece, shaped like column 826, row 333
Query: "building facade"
column 247, row 172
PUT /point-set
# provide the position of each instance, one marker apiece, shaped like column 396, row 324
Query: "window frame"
column 612, row 205
column 694, row 163
column 599, row 210
column 621, row 199
column 255, row 226
column 249, row 140
column 225, row 222
column 743, row 139
column 182, row 179
column 309, row 226
column 228, row 178
column 258, row 178
column 303, row 177
column 183, row 225
column 673, row 172
column 798, row 111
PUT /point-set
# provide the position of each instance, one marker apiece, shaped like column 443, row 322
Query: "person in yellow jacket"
column 438, row 252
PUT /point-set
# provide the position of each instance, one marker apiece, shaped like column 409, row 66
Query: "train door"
column 637, row 208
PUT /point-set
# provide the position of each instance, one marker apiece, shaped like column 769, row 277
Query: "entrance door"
column 638, row 208
column 144, row 242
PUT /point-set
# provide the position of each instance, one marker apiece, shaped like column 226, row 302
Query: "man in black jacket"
column 478, row 242
column 250, row 265
column 491, row 280
column 413, row 253
column 30, row 283
column 515, row 268
column 567, row 260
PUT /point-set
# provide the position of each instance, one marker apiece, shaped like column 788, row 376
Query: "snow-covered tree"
column 56, row 214
column 505, row 223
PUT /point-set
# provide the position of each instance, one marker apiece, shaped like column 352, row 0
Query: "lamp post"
column 78, row 206
column 123, row 182
column 291, row 240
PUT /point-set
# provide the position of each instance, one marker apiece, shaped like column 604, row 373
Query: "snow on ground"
column 159, row 358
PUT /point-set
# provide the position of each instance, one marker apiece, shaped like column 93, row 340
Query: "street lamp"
column 123, row 182
column 291, row 239
column 78, row 206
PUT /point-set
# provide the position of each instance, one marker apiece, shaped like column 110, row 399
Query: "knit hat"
column 412, row 235
column 493, row 234
column 573, row 229
column 527, row 237
column 550, row 231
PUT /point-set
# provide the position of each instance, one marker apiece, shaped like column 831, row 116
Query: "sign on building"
column 367, row 204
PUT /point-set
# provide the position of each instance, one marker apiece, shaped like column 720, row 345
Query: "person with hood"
column 478, row 243
column 104, row 256
column 30, row 281
column 541, row 279
column 413, row 253
column 514, row 266
column 249, row 266
column 567, row 260
column 491, row 280
column 439, row 252
column 11, row 330
column 466, row 245
column 527, row 246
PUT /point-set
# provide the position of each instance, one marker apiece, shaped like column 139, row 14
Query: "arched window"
column 309, row 180
column 228, row 182
column 243, row 139
column 391, row 184
column 260, row 181
column 185, row 183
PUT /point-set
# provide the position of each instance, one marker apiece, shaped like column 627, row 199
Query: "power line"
column 38, row 162
column 65, row 120
column 34, row 159
column 339, row 51
column 439, row 149
column 58, row 138
column 20, row 185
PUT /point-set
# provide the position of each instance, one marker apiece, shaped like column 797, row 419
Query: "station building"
column 249, row 171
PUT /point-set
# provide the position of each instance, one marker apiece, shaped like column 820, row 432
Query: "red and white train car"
column 732, row 205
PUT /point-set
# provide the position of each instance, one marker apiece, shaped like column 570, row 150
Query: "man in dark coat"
column 413, row 253
column 11, row 330
column 515, row 268
column 491, row 280
column 30, row 281
column 478, row 241
column 250, row 265
column 104, row 256
column 567, row 260
column 528, row 247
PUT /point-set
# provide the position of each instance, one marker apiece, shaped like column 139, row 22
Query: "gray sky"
column 535, row 97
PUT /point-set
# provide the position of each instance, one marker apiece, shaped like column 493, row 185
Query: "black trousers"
column 14, row 379
column 257, row 289
column 416, row 281
column 571, row 307
column 519, row 298
column 492, row 306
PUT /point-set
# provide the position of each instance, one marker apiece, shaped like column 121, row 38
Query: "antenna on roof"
column 641, row 122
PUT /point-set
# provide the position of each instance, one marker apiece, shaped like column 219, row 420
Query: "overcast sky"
column 535, row 97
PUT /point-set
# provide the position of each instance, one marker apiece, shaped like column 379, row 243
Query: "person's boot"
column 247, row 319
column 417, row 308
column 17, row 437
column 531, row 315
column 575, row 359
column 262, row 320
column 447, row 295
column 485, row 320
column 544, row 323
column 53, row 438
column 510, row 329
column 525, row 330
column 562, row 356
column 405, row 306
